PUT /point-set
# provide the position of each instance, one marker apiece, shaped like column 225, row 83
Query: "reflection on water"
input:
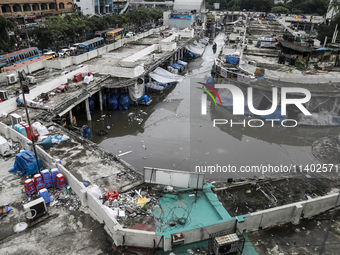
column 171, row 133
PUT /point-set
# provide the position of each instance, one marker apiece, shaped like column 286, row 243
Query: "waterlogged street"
column 172, row 134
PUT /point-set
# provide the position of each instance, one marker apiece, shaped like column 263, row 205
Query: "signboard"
column 217, row 6
column 30, row 16
column 173, row 178
column 180, row 16
column 227, row 74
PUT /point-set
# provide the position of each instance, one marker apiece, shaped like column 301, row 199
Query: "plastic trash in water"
column 59, row 137
column 64, row 138
column 85, row 184
column 108, row 127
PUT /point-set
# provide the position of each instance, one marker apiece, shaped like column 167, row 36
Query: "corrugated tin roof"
column 295, row 47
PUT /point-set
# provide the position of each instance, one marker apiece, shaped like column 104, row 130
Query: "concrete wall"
column 287, row 213
column 131, row 61
column 200, row 233
column 117, row 71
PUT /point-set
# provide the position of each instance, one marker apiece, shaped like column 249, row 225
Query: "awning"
column 163, row 76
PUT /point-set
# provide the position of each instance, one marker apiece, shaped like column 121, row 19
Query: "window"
column 77, row 0
column 43, row 6
column 27, row 8
column 51, row 6
column 61, row 6
column 16, row 8
column 6, row 8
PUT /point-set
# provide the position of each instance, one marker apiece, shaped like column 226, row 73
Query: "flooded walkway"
column 164, row 135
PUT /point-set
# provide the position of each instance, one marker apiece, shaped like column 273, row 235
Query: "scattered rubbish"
column 4, row 210
column 142, row 201
column 108, row 127
column 85, row 184
column 124, row 153
column 190, row 251
column 94, row 190
column 248, row 191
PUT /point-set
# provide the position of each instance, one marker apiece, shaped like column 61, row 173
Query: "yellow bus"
column 114, row 35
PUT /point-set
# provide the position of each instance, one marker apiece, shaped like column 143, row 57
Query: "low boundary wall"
column 77, row 60
column 129, row 237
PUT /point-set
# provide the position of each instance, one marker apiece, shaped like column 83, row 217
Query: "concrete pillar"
column 297, row 214
column 87, row 105
column 71, row 117
column 100, row 100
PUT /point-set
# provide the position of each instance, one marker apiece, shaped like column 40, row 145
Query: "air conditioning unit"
column 177, row 239
column 16, row 119
column 20, row 15
column 35, row 208
column 3, row 95
column 31, row 80
column 12, row 78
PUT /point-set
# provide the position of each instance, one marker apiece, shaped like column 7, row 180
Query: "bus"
column 100, row 34
column 90, row 45
column 114, row 35
column 20, row 56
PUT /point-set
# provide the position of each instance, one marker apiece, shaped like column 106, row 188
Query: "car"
column 129, row 34
column 62, row 52
column 51, row 54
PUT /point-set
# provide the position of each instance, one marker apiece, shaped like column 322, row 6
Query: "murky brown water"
column 168, row 135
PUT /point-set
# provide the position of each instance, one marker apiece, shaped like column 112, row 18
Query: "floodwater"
column 171, row 134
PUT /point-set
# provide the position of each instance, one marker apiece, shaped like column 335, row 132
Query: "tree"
column 325, row 30
column 280, row 9
column 5, row 41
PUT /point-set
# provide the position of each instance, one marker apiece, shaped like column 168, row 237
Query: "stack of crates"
column 54, row 172
column 30, row 187
column 44, row 194
column 47, row 178
column 38, row 181
column 61, row 183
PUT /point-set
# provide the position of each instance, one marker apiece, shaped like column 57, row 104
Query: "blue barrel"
column 87, row 131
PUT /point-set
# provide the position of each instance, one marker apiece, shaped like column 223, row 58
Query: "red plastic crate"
column 60, row 180
column 39, row 182
column 30, row 187
column 77, row 77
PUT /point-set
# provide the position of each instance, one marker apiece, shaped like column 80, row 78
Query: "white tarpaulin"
column 163, row 76
column 136, row 91
column 195, row 49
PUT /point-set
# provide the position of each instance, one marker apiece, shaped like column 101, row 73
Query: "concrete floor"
column 62, row 231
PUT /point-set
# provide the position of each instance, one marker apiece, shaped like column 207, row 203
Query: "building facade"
column 33, row 11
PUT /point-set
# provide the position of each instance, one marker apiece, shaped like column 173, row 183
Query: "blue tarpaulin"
column 7, row 208
column 189, row 55
column 231, row 60
column 176, row 66
column 25, row 163
column 145, row 98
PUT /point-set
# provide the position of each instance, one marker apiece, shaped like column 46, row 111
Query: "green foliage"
column 301, row 64
column 318, row 7
column 280, row 9
column 5, row 41
column 328, row 30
